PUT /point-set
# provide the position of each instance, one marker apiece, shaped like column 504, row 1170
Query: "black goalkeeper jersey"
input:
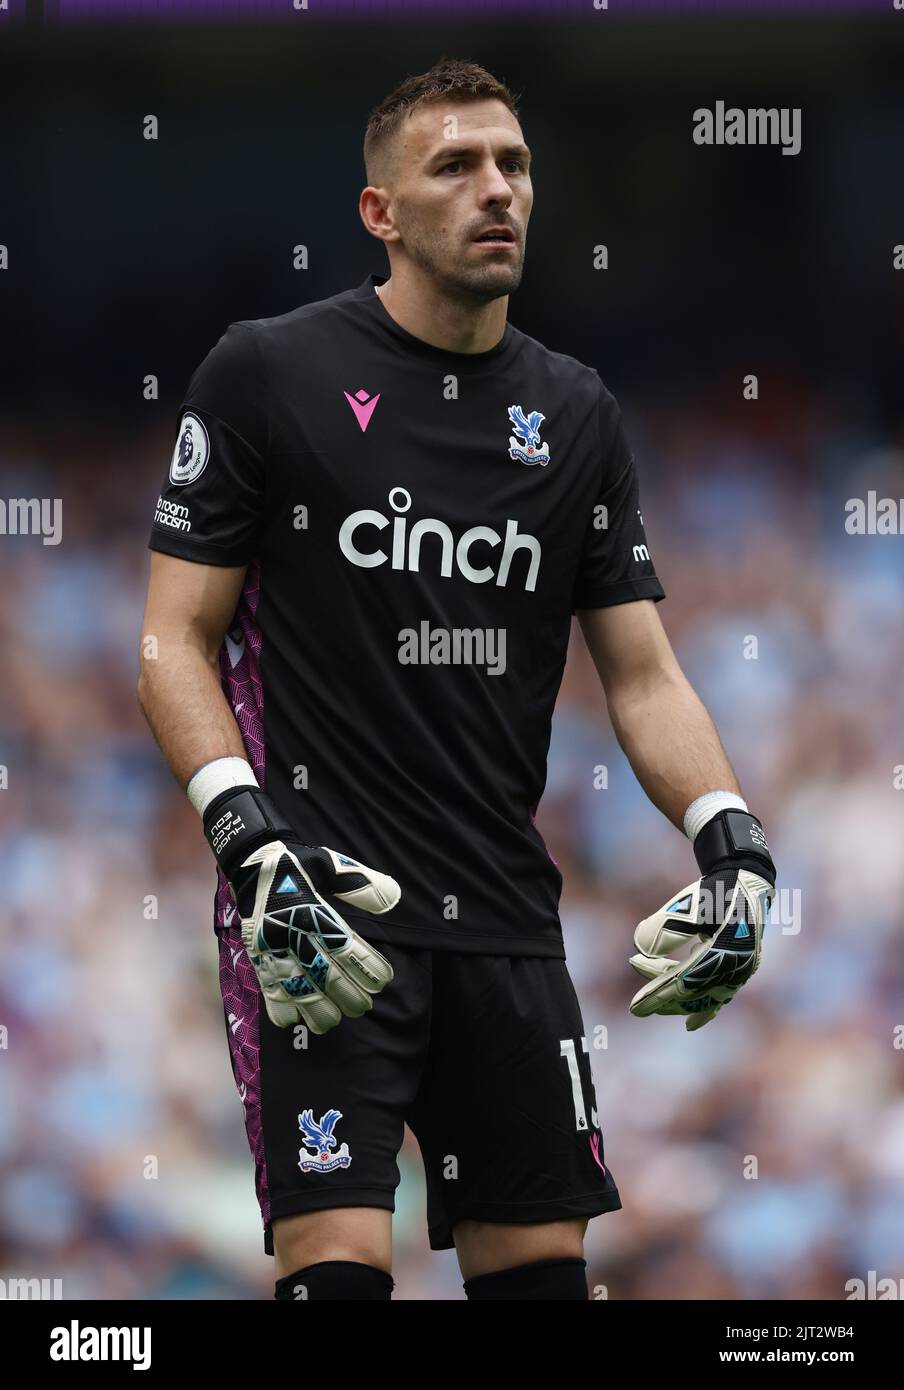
column 419, row 526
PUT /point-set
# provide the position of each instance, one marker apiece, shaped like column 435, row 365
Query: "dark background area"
column 120, row 243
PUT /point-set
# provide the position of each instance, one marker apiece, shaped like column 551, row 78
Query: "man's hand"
column 311, row 966
column 721, row 918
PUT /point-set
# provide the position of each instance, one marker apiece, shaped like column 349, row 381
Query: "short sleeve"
column 615, row 565
column 211, row 503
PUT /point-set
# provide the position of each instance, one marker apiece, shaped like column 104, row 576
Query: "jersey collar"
column 468, row 361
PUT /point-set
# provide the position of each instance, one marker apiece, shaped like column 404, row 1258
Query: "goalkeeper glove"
column 722, row 916
column 311, row 966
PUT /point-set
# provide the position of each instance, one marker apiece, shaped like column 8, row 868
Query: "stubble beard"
column 481, row 283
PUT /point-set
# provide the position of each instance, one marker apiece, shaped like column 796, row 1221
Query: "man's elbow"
column 147, row 663
column 141, row 691
column 645, row 682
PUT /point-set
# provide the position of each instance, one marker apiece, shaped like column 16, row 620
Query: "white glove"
column 720, row 917
column 725, row 940
column 311, row 966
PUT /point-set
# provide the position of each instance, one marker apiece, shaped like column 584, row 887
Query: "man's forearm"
column 181, row 697
column 671, row 742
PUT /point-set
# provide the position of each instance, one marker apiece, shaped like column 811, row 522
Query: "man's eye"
column 518, row 163
column 452, row 162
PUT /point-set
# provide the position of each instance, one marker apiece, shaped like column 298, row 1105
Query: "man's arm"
column 660, row 722
column 677, row 756
column 311, row 966
column 189, row 607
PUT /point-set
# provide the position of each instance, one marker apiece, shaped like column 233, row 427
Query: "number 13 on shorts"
column 569, row 1052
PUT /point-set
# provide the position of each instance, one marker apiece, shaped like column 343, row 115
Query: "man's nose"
column 495, row 188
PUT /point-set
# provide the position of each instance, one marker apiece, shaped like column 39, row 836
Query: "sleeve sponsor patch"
column 191, row 452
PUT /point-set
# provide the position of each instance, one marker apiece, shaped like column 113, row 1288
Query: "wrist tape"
column 239, row 821
column 737, row 839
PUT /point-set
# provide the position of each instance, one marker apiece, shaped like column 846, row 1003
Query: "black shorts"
column 483, row 1056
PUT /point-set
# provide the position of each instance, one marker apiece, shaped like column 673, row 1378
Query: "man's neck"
column 456, row 325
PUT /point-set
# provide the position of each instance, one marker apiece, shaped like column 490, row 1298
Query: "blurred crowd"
column 762, row 1156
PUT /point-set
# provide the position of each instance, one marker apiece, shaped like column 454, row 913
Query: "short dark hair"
column 450, row 79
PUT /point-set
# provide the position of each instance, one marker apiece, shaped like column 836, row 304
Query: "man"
column 382, row 511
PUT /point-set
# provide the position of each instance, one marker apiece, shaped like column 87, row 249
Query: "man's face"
column 463, row 168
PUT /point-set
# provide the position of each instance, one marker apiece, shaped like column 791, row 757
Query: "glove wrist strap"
column 239, row 821
column 736, row 838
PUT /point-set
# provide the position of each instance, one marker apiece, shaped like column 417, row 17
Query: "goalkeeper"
column 387, row 912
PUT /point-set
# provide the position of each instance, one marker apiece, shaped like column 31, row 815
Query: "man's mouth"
column 496, row 236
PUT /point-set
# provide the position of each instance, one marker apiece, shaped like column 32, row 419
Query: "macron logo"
column 363, row 405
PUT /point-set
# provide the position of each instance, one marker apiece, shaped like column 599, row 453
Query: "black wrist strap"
column 737, row 839
column 239, row 821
